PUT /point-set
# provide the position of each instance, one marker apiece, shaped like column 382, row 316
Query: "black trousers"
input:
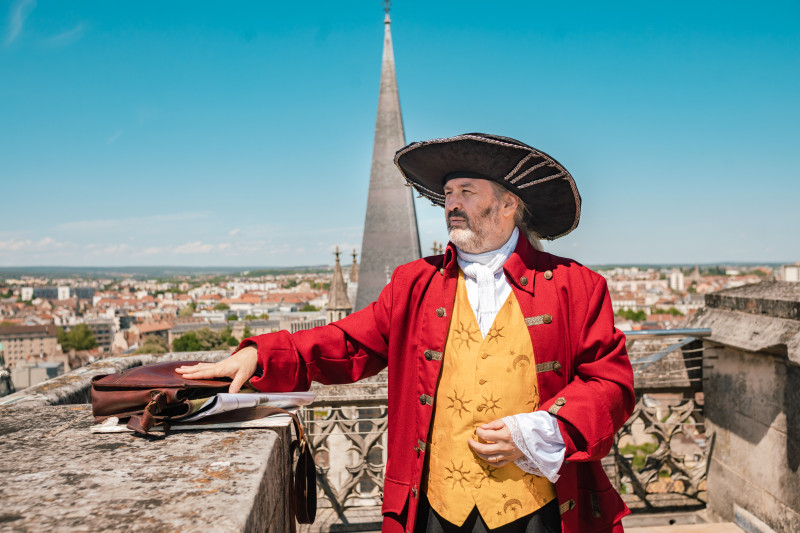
column 545, row 520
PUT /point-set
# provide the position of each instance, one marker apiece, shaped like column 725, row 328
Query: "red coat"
column 590, row 389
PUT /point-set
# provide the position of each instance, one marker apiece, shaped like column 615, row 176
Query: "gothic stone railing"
column 658, row 463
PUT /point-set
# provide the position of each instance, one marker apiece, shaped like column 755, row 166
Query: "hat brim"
column 541, row 182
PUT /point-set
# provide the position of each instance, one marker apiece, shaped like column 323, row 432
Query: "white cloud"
column 128, row 223
column 16, row 245
column 111, row 140
column 234, row 232
column 113, row 249
column 16, row 20
column 196, row 247
column 67, row 37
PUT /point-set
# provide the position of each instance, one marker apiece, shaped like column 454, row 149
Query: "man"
column 507, row 378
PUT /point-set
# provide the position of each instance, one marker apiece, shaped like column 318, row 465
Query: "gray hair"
column 520, row 215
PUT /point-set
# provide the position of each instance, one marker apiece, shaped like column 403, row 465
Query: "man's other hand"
column 499, row 448
column 239, row 367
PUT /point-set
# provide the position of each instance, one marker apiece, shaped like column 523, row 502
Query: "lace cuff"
column 538, row 438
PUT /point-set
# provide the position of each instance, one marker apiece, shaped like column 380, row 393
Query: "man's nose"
column 453, row 201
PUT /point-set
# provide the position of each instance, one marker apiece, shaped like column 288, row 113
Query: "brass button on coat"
column 440, row 312
column 523, row 281
column 428, row 355
column 482, row 381
column 560, row 401
column 547, row 319
column 484, row 356
column 548, row 274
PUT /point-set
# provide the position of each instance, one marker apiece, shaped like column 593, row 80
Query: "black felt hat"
column 543, row 184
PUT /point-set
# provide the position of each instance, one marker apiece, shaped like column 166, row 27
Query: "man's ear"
column 511, row 203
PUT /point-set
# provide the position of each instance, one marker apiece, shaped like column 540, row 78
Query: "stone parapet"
column 58, row 476
column 751, row 372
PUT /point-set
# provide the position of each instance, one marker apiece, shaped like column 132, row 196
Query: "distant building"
column 27, row 343
column 676, row 281
column 103, row 331
column 62, row 293
column 791, row 272
column 28, row 375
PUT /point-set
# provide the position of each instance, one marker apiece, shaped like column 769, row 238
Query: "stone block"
column 56, row 475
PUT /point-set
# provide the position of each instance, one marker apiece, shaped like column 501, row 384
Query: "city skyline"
column 189, row 134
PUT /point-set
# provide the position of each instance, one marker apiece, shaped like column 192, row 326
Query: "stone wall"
column 55, row 475
column 752, row 402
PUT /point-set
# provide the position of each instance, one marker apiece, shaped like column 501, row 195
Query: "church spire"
column 338, row 304
column 354, row 269
column 390, row 227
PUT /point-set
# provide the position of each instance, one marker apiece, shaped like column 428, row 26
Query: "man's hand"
column 499, row 448
column 240, row 367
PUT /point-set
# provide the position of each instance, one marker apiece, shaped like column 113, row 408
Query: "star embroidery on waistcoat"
column 458, row 404
column 491, row 404
column 457, row 474
column 534, row 397
column 494, row 334
column 464, row 335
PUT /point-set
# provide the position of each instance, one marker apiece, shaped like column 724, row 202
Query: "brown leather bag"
column 155, row 394
column 150, row 395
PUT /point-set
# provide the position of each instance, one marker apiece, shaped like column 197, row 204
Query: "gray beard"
column 466, row 240
column 472, row 239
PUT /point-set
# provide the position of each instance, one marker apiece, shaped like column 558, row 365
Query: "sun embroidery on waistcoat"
column 457, row 474
column 494, row 334
column 490, row 404
column 488, row 473
column 457, row 403
column 464, row 335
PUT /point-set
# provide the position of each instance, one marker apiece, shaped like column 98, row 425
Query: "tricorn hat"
column 541, row 182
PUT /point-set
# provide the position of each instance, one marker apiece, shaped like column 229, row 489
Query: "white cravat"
column 487, row 286
column 535, row 434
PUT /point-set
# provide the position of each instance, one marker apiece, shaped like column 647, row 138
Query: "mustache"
column 458, row 213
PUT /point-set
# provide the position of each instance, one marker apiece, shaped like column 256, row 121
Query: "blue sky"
column 227, row 134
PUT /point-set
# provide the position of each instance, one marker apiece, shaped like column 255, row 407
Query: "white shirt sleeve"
column 537, row 436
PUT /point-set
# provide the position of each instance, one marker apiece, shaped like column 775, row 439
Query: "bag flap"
column 156, row 375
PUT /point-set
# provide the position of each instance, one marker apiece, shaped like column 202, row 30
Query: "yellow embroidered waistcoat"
column 482, row 379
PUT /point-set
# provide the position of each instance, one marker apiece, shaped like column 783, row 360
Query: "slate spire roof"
column 390, row 226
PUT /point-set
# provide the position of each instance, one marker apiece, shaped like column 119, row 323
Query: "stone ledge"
column 750, row 332
column 778, row 299
column 56, row 475
column 74, row 387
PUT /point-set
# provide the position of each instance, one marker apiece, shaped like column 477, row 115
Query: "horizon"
column 193, row 133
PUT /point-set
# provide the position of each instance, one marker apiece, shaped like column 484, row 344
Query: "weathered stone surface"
column 752, row 400
column 778, row 299
column 56, row 475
